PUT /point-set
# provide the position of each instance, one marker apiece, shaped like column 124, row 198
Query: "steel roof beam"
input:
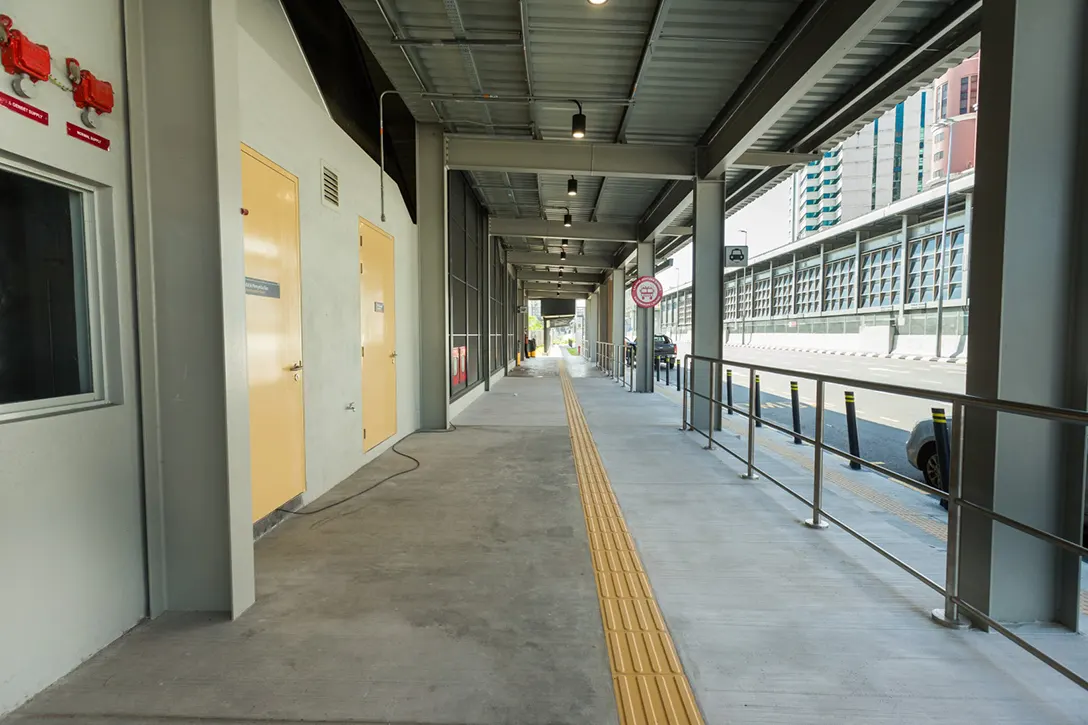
column 547, row 229
column 956, row 26
column 809, row 49
column 532, row 275
column 654, row 35
column 566, row 158
column 674, row 200
column 766, row 159
column 544, row 259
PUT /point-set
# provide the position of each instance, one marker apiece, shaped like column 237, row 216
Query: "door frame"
column 363, row 221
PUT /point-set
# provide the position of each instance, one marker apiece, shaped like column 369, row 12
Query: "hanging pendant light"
column 560, row 274
column 564, row 244
column 567, row 218
column 572, row 186
column 578, row 122
column 563, row 254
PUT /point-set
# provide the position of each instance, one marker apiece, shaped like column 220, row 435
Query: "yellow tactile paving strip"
column 650, row 683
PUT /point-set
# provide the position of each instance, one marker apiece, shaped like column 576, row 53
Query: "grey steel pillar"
column 708, row 263
column 1029, row 312
column 968, row 214
column 619, row 319
column 592, row 311
column 644, row 325
column 197, row 489
column 434, row 337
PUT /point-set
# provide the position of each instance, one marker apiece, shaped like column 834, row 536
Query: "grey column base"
column 813, row 524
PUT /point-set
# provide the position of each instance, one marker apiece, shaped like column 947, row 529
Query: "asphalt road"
column 884, row 420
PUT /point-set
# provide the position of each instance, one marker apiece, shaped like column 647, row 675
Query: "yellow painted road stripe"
column 650, row 683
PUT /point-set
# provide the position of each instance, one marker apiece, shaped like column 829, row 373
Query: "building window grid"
column 922, row 269
column 745, row 299
column 783, row 284
column 763, row 298
column 880, row 272
column 808, row 291
column 731, row 301
column 839, row 278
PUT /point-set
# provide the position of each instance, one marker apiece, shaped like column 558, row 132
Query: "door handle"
column 296, row 367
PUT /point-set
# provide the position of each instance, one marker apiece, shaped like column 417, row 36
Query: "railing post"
column 816, row 522
column 729, row 391
column 949, row 616
column 683, row 398
column 852, row 429
column 753, row 381
column 710, row 406
column 795, row 399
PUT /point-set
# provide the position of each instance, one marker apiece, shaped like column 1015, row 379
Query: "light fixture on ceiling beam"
column 563, row 254
column 568, row 220
column 564, row 244
column 560, row 274
column 578, row 122
column 597, row 2
column 572, row 186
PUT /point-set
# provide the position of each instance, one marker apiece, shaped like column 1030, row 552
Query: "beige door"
column 273, row 333
column 378, row 334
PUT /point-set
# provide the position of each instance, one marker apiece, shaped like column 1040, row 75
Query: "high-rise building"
column 893, row 157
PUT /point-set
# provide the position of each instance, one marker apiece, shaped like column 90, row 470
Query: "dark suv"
column 664, row 350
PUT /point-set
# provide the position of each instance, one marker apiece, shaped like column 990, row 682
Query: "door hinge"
column 362, row 352
column 364, row 434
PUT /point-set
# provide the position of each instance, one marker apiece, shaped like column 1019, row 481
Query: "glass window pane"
column 45, row 340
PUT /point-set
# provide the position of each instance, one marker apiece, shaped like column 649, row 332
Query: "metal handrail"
column 956, row 503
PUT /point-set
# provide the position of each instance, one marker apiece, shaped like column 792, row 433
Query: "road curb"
column 844, row 353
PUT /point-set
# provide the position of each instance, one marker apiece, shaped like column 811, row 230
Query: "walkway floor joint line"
column 650, row 683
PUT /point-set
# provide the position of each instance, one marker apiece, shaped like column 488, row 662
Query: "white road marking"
column 888, row 370
column 890, row 420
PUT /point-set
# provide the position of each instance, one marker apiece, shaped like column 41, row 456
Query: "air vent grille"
column 330, row 187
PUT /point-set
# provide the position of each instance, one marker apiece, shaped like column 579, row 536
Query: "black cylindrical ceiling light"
column 578, row 122
column 572, row 186
column 560, row 274
column 564, row 244
column 563, row 254
column 567, row 218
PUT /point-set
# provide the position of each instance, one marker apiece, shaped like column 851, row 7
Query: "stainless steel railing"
column 953, row 601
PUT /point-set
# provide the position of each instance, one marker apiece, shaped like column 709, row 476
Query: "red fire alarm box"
column 20, row 56
column 455, row 366
column 91, row 92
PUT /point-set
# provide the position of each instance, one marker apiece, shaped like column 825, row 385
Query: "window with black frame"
column 468, row 277
column 45, row 300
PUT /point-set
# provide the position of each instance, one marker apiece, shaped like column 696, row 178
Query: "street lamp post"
column 947, row 123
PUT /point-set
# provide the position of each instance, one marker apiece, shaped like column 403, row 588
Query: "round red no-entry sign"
column 647, row 292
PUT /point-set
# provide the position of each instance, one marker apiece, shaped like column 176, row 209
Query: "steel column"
column 434, row 368
column 644, row 326
column 708, row 263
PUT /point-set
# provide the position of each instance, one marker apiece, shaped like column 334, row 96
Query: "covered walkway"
column 464, row 592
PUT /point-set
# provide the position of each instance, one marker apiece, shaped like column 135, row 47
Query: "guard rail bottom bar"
column 953, row 601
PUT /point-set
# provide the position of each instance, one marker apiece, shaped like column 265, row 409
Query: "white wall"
column 282, row 117
column 71, row 535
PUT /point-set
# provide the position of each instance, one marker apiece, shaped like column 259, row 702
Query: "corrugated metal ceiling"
column 703, row 51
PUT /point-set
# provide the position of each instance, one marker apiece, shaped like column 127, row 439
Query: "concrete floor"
column 777, row 623
column 462, row 592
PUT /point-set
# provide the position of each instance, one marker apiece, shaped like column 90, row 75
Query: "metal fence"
column 954, row 602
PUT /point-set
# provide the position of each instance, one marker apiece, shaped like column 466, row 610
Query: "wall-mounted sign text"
column 24, row 109
column 90, row 137
column 379, row 307
column 262, row 288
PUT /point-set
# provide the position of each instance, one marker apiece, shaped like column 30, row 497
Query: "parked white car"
column 922, row 453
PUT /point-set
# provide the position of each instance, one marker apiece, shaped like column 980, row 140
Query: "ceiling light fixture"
column 568, row 220
column 564, row 245
column 578, row 122
column 597, row 2
column 560, row 274
column 572, row 186
column 563, row 254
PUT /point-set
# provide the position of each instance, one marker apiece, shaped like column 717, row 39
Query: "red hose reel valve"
column 23, row 58
column 93, row 95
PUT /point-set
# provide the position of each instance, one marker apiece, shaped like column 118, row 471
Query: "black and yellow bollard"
column 796, row 400
column 729, row 391
column 757, row 407
column 944, row 453
column 852, row 429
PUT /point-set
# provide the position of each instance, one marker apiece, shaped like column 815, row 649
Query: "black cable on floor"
column 368, row 489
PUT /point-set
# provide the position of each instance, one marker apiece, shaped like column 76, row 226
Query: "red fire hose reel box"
column 93, row 95
column 23, row 58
